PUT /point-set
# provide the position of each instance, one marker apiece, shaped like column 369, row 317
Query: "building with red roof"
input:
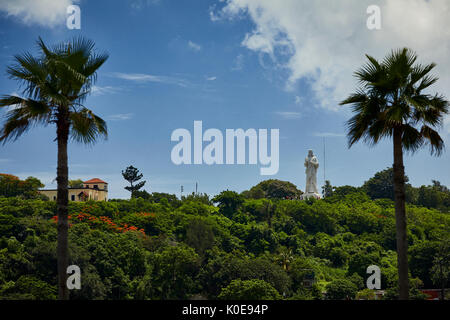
column 94, row 189
column 95, row 180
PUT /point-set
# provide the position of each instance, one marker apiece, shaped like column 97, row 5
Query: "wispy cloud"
column 328, row 135
column 289, row 115
column 211, row 78
column 99, row 91
column 4, row 160
column 142, row 77
column 238, row 63
column 120, row 116
column 194, row 46
column 139, row 4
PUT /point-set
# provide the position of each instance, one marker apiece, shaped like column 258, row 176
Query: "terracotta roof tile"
column 95, row 180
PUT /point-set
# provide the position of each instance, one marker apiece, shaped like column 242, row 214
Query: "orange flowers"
column 102, row 221
column 146, row 214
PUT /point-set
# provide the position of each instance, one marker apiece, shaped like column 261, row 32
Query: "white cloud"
column 238, row 62
column 289, row 115
column 211, row 78
column 298, row 100
column 48, row 13
column 99, row 91
column 120, row 117
column 324, row 42
column 141, row 77
column 140, row 4
column 194, row 46
column 328, row 135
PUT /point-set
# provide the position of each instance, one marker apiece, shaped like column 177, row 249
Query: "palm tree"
column 391, row 103
column 55, row 85
column 285, row 257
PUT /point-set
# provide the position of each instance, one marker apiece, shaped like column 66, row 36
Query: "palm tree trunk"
column 400, row 216
column 62, row 203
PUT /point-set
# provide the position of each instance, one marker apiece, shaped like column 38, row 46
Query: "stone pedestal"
column 306, row 196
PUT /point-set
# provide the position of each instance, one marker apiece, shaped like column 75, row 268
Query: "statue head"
column 310, row 153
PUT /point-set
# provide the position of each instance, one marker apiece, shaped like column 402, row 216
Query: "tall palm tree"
column 391, row 103
column 55, row 84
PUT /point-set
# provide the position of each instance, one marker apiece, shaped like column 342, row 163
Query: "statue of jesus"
column 311, row 164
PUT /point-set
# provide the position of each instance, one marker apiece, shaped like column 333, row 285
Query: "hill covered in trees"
column 253, row 245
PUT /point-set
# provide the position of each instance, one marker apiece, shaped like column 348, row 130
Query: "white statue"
column 311, row 164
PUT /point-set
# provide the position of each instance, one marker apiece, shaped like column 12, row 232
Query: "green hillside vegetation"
column 230, row 247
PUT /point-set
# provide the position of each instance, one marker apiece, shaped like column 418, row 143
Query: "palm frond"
column 420, row 72
column 426, row 82
column 433, row 139
column 389, row 96
column 30, row 72
column 412, row 139
column 25, row 114
column 86, row 127
column 93, row 64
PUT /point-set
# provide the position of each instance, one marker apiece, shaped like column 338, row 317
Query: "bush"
column 341, row 289
column 249, row 290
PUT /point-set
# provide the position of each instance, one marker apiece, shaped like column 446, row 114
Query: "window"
column 95, row 186
column 73, row 197
column 54, row 197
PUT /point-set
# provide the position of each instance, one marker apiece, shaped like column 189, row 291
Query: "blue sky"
column 232, row 64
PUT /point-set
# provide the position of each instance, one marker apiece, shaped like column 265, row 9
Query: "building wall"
column 93, row 194
column 100, row 186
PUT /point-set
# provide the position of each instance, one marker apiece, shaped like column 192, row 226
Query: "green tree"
column 273, row 189
column 55, row 85
column 327, row 189
column 422, row 255
column 132, row 175
column 439, row 186
column 254, row 289
column 175, row 270
column 229, row 202
column 198, row 197
column 428, row 197
column 28, row 288
column 391, row 103
column 341, row 289
column 342, row 191
column 157, row 197
column 266, row 211
column 78, row 183
column 440, row 271
column 359, row 262
column 381, row 185
column 199, row 235
column 434, row 196
column 366, row 294
column 12, row 186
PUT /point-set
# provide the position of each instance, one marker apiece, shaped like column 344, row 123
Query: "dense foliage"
column 243, row 248
column 11, row 186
